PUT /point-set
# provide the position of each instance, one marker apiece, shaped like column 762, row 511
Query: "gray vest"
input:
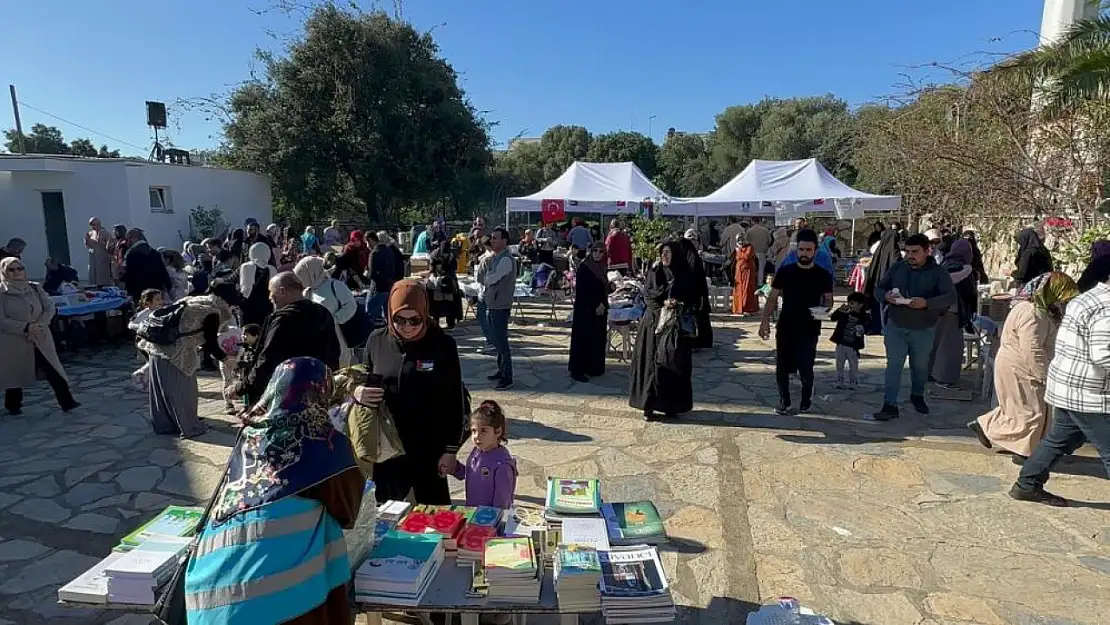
column 499, row 295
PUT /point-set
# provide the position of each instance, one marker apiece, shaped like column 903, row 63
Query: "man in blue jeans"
column 500, row 283
column 917, row 292
column 1078, row 387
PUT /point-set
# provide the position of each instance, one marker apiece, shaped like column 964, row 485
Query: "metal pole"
column 18, row 123
column 853, row 236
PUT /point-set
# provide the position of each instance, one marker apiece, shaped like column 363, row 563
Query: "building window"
column 160, row 200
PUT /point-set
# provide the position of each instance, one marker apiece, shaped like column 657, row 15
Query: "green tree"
column 619, row 147
column 361, row 112
column 560, row 146
column 683, row 167
column 42, row 139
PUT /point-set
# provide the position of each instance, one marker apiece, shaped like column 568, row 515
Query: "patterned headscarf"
column 289, row 444
column 1049, row 288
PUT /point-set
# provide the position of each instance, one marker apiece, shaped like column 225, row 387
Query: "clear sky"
column 527, row 64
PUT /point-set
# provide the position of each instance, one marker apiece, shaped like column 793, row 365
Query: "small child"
column 240, row 357
column 490, row 471
column 851, row 324
column 150, row 300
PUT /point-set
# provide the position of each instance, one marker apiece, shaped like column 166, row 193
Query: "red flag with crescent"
column 553, row 210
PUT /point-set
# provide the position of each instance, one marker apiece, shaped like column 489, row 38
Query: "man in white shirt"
column 1078, row 387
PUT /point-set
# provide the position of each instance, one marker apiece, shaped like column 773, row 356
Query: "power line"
column 85, row 128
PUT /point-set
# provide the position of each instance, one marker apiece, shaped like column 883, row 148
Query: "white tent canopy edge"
column 607, row 188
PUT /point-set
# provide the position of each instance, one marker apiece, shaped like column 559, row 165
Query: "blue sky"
column 529, row 64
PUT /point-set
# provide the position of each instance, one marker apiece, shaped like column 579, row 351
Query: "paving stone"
column 114, row 500
column 53, row 570
column 962, row 608
column 138, row 479
column 955, row 484
column 78, row 474
column 1096, row 563
column 109, row 431
column 15, row 479
column 91, row 522
column 881, row 567
column 45, row 486
column 150, row 501
column 21, row 550
column 191, row 479
column 165, row 457
column 87, row 492
column 617, row 463
column 43, row 510
column 693, row 483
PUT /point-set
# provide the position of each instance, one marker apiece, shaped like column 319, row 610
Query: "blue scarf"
column 290, row 444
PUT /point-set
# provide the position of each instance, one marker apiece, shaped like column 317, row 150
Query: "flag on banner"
column 553, row 210
column 745, row 206
column 767, row 203
column 818, row 202
column 621, row 204
column 572, row 202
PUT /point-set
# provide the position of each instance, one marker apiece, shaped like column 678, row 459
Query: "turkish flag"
column 818, row 202
column 553, row 210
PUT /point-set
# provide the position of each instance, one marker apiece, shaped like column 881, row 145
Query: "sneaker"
column 805, row 406
column 886, row 413
column 1039, row 495
column 651, row 417
column 782, row 409
column 919, row 404
column 503, row 385
column 494, row 377
column 979, row 433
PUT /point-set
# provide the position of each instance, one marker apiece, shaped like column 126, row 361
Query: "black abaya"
column 701, row 288
column 662, row 382
column 587, row 332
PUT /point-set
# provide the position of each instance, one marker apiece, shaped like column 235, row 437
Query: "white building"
column 48, row 201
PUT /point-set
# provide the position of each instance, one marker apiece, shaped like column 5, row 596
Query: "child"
column 851, row 324
column 150, row 300
column 490, row 471
column 239, row 347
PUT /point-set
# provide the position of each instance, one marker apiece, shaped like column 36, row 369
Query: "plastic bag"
column 230, row 340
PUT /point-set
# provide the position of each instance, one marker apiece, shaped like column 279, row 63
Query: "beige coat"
column 17, row 366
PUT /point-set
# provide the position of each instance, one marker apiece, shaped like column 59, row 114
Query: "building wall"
column 118, row 192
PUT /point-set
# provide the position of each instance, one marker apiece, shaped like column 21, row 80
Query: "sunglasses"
column 412, row 322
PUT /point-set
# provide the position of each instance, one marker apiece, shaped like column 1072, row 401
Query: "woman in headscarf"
column 976, row 258
column 291, row 251
column 690, row 244
column 591, row 316
column 884, row 257
column 745, row 276
column 876, row 234
column 1098, row 270
column 25, row 340
column 661, row 372
column 309, row 243
column 290, row 489
column 1026, row 346
column 173, row 366
column 100, row 262
column 354, row 261
column 1033, row 258
column 117, row 249
column 948, row 340
column 446, row 297
column 274, row 232
column 254, row 280
column 415, row 372
column 828, row 246
column 333, row 295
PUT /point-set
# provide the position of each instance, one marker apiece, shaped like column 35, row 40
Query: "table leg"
column 568, row 619
column 373, row 618
column 468, row 618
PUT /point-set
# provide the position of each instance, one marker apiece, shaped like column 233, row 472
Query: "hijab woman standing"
column 744, row 276
column 662, row 371
column 254, row 278
column 333, row 295
column 25, row 340
column 1033, row 258
column 591, row 316
column 948, row 341
column 100, row 262
column 415, row 373
column 290, row 488
column 884, row 257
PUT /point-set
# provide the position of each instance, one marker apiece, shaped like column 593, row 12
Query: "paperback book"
column 633, row 523
column 570, row 496
column 173, row 522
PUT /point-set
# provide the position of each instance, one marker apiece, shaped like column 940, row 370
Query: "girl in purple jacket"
column 490, row 471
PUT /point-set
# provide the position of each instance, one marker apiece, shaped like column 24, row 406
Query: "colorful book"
column 402, row 559
column 635, row 522
column 567, row 496
column 524, row 520
column 486, row 516
column 444, row 521
column 472, row 542
column 576, row 559
column 173, row 522
column 92, row 585
column 632, row 573
column 510, row 554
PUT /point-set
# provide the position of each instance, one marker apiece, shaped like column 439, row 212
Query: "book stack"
column 92, row 585
column 136, row 576
column 512, row 571
column 443, row 521
column 633, row 523
column 400, row 569
column 634, row 587
column 173, row 522
column 570, row 498
column 577, row 573
column 585, row 531
column 480, row 528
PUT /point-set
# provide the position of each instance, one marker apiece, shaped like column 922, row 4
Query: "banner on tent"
column 786, row 212
column 553, row 210
column 849, row 208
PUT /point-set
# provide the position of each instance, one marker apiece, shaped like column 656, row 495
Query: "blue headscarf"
column 823, row 260
column 289, row 445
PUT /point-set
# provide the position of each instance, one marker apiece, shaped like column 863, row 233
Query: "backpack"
column 163, row 326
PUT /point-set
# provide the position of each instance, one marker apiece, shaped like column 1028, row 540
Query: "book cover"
column 400, row 558
column 442, row 520
column 636, row 572
column 486, row 516
column 573, row 496
column 513, row 554
column 174, row 521
column 586, row 531
column 92, row 585
column 523, row 520
column 473, row 538
column 635, row 519
column 576, row 559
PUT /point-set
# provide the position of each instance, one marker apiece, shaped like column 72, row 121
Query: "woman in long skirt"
column 100, row 262
column 661, row 370
column 744, row 299
column 591, row 316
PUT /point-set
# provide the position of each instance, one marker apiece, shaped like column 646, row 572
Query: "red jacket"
column 618, row 247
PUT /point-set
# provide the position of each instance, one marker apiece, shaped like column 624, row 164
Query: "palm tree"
column 1070, row 72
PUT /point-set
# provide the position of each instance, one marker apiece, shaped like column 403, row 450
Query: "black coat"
column 301, row 329
column 701, row 287
column 1032, row 258
column 661, row 372
column 588, row 331
column 143, row 269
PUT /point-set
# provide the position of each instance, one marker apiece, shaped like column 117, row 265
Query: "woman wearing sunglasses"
column 25, row 340
column 417, row 364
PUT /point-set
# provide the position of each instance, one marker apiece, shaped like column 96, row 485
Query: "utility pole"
column 18, row 124
column 650, row 119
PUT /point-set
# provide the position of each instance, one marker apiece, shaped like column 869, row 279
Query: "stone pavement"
column 894, row 523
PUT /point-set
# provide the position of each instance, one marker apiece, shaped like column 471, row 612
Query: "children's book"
column 510, row 554
column 633, row 522
column 569, row 496
column 173, row 522
column 401, row 558
column 576, row 559
column 446, row 521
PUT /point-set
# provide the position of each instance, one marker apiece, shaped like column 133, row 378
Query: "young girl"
column 490, row 471
column 150, row 300
column 239, row 345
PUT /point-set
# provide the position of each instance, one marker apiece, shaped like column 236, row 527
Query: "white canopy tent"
column 784, row 189
column 607, row 188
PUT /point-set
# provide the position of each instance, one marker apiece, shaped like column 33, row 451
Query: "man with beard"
column 254, row 235
column 802, row 285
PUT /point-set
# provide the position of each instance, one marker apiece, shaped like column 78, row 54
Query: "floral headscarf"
column 289, row 443
column 1047, row 289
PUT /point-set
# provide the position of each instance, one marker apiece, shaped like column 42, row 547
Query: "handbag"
column 170, row 607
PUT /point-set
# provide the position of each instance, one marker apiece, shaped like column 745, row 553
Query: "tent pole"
column 853, row 236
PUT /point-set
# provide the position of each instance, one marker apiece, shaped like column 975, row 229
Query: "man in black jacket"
column 298, row 327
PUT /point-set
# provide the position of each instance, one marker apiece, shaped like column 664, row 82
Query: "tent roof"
column 594, row 186
column 762, row 184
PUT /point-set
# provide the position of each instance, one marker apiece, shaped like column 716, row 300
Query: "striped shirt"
column 1079, row 375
